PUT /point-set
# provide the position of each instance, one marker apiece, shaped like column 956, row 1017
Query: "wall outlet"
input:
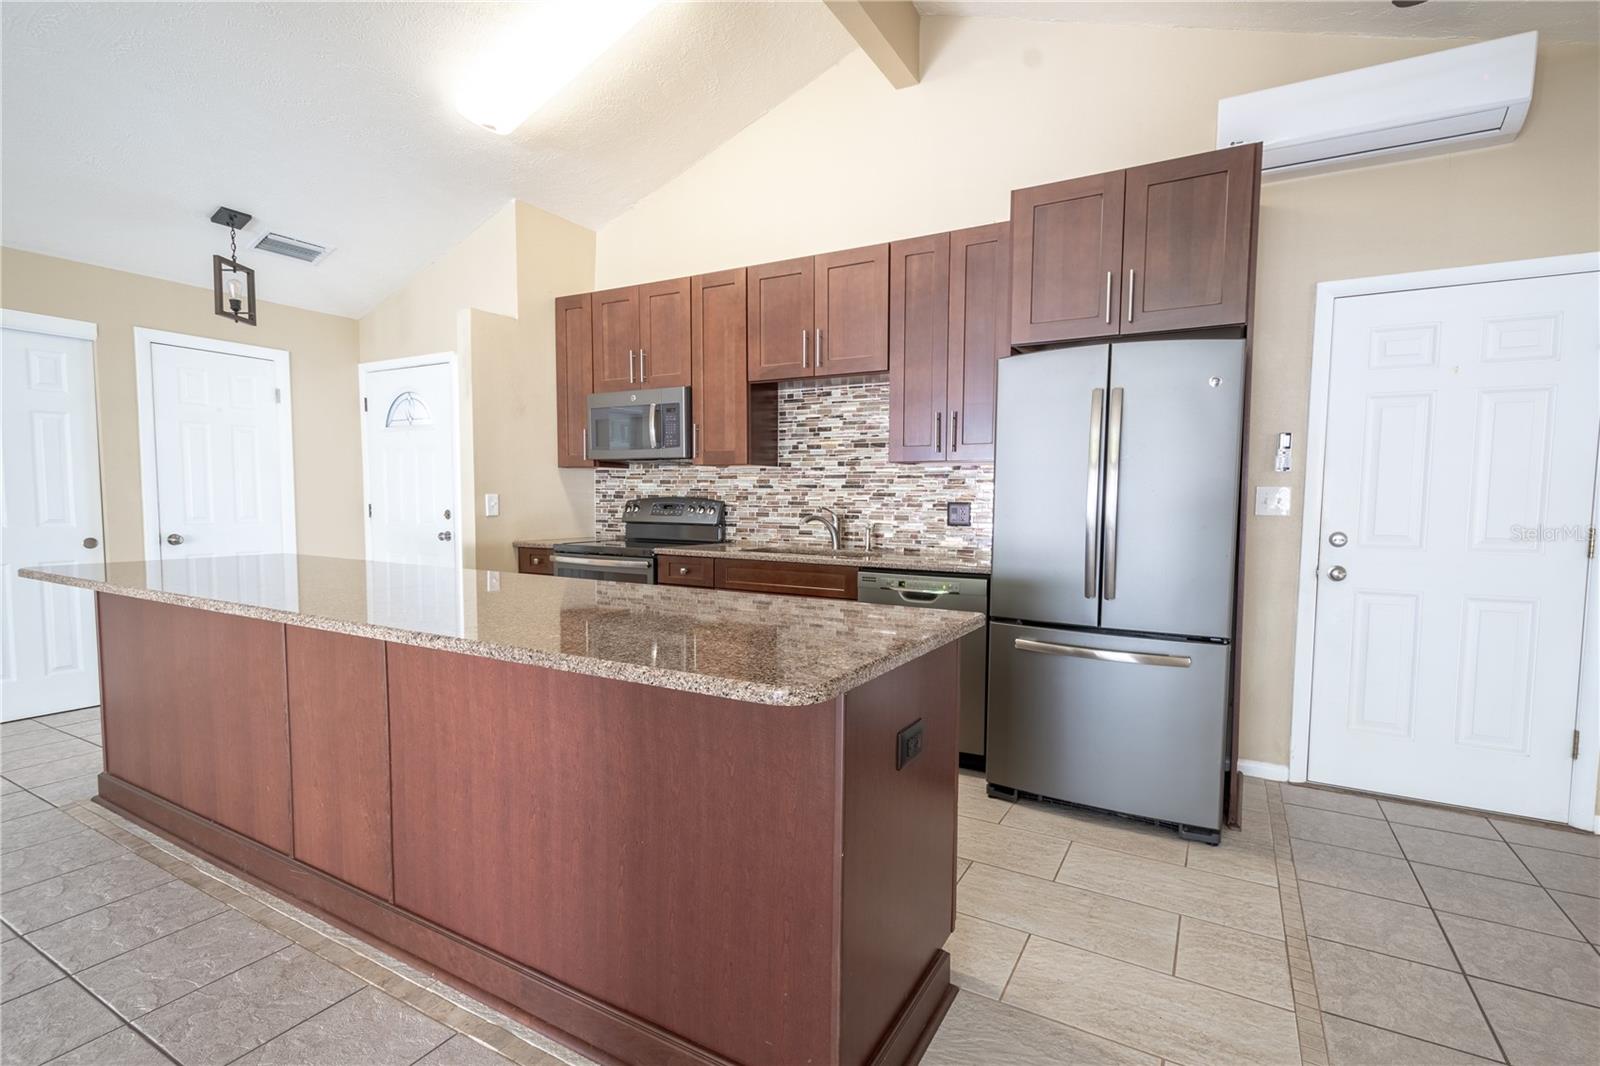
column 908, row 744
column 958, row 514
column 1272, row 501
column 491, row 505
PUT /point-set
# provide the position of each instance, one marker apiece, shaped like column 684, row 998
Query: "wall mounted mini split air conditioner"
column 1467, row 97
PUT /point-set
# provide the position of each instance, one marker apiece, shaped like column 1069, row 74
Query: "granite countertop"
column 934, row 560
column 779, row 650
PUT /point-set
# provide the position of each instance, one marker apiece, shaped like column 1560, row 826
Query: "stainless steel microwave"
column 639, row 424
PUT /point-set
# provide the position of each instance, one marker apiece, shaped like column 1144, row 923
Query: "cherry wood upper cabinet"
column 1065, row 256
column 1187, row 241
column 616, row 339
column 919, row 335
column 852, row 312
column 664, row 334
column 980, row 292
column 780, row 306
column 735, row 423
column 574, row 377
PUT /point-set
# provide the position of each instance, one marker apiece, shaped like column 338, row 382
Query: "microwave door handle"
column 651, row 418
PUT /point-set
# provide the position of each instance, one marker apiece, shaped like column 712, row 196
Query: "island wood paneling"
column 339, row 742
column 196, row 711
column 899, row 844
column 672, row 854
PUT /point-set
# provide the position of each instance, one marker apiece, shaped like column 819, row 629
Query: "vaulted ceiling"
column 123, row 126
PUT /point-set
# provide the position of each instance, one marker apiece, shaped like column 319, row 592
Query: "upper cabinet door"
column 616, row 339
column 1187, row 242
column 574, row 377
column 664, row 334
column 980, row 293
column 919, row 334
column 779, row 298
column 852, row 323
column 1065, row 256
column 720, row 403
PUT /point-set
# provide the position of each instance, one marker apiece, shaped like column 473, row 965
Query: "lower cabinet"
column 787, row 579
column 697, row 571
column 339, row 744
column 535, row 561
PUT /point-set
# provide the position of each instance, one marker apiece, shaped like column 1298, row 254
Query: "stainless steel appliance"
column 648, row 523
column 1117, row 472
column 639, row 424
column 949, row 593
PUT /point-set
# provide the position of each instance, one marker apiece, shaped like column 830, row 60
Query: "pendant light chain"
column 233, row 246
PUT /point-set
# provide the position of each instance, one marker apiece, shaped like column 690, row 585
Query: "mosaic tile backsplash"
column 833, row 451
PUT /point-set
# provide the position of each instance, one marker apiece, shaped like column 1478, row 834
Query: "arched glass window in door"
column 407, row 409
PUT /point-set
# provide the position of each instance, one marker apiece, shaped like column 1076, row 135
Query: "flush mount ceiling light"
column 233, row 285
column 527, row 66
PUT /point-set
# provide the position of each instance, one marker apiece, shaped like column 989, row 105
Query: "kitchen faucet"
column 825, row 517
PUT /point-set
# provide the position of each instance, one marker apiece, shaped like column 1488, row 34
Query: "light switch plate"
column 491, row 581
column 491, row 504
column 1272, row 501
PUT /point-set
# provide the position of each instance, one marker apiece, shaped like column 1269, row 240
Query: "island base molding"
column 566, row 1013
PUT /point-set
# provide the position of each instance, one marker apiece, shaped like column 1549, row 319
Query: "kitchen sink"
column 821, row 551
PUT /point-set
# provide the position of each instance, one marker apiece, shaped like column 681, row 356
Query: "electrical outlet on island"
column 958, row 514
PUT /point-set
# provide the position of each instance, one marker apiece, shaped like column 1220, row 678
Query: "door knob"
column 174, row 538
column 446, row 535
column 1338, row 539
column 90, row 542
column 1338, row 573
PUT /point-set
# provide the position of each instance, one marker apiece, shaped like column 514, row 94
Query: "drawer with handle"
column 685, row 570
column 535, row 561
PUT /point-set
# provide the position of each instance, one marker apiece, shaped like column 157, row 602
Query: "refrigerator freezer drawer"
column 1126, row 724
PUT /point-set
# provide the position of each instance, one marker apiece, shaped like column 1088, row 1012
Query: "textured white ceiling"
column 1556, row 20
column 123, row 126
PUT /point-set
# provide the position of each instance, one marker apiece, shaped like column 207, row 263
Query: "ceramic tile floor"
column 1332, row 928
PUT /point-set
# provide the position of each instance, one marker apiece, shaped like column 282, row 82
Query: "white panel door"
column 1457, row 495
column 51, row 514
column 409, row 439
column 220, row 474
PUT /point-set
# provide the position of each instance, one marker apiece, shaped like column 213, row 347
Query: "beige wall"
column 421, row 318
column 322, row 382
column 1003, row 104
column 490, row 300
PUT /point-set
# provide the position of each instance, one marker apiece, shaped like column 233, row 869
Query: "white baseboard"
column 1270, row 771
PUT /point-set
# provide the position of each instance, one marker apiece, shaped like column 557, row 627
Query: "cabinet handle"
column 1130, row 294
column 819, row 348
column 1108, row 297
column 694, row 452
column 641, row 366
column 803, row 338
column 630, row 366
column 938, row 431
column 683, row 571
column 585, row 443
column 955, row 431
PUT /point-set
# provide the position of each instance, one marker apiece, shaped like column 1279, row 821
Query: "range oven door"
column 639, row 424
column 606, row 568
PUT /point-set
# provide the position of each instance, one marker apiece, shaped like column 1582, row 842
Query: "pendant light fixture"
column 233, row 285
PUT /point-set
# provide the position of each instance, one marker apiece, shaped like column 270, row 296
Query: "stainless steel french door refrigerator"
column 1117, row 472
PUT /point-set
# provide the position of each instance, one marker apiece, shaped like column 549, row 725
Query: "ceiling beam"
column 888, row 31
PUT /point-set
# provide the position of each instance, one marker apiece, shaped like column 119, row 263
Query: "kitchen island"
column 669, row 825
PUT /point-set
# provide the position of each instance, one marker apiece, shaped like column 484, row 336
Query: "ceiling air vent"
column 304, row 251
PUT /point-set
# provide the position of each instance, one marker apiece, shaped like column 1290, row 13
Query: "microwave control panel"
column 671, row 425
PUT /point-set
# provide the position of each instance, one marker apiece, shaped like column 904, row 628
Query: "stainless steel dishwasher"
column 948, row 593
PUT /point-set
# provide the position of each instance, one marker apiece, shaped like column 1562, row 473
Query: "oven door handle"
column 599, row 562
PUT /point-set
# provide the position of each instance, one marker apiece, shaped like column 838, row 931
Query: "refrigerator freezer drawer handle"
column 1113, row 491
column 1078, row 651
column 1091, row 503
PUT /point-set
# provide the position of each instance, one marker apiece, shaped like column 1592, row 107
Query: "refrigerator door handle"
column 1091, row 503
column 1078, row 651
column 1113, row 485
